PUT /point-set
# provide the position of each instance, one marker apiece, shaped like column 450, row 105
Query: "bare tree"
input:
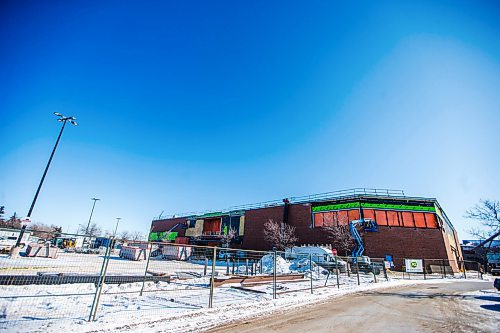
column 124, row 236
column 44, row 231
column 340, row 238
column 228, row 237
column 93, row 231
column 279, row 235
column 487, row 212
column 136, row 236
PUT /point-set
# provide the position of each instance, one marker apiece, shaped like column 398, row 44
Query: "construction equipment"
column 363, row 263
column 488, row 255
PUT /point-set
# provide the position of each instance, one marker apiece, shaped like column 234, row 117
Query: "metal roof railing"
column 341, row 194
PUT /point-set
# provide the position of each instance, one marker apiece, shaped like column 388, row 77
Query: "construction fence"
column 51, row 280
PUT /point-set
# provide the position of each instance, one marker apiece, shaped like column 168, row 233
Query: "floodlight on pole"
column 62, row 119
column 90, row 218
column 116, row 228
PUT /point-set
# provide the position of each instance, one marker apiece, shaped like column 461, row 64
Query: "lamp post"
column 62, row 119
column 90, row 218
column 116, row 228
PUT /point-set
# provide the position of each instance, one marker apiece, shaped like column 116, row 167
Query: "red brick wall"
column 166, row 224
column 397, row 241
column 408, row 243
column 253, row 238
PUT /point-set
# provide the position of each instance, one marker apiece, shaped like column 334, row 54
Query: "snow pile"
column 267, row 263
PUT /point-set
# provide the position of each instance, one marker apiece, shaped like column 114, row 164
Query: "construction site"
column 384, row 224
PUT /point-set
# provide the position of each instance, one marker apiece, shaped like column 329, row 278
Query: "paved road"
column 421, row 308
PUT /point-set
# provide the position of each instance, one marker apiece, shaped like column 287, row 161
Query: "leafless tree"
column 279, row 235
column 93, row 231
column 136, row 236
column 44, row 231
column 228, row 237
column 487, row 212
column 124, row 236
column 340, row 237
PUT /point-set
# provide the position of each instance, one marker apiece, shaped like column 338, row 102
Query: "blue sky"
column 187, row 106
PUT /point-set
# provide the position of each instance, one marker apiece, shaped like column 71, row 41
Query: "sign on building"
column 414, row 266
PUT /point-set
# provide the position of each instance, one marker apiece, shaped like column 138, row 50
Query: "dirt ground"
column 420, row 308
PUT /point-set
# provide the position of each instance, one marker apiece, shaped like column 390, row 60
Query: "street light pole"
column 62, row 119
column 90, row 218
column 116, row 228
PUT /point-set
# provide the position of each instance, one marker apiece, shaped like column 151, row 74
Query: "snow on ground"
column 485, row 306
column 180, row 306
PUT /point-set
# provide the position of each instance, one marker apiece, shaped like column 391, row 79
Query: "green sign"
column 161, row 236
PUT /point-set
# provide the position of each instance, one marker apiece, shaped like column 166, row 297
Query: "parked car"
column 365, row 265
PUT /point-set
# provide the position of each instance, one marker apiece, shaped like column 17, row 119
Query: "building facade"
column 408, row 227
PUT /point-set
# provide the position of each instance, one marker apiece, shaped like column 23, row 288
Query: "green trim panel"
column 373, row 206
column 160, row 236
column 335, row 207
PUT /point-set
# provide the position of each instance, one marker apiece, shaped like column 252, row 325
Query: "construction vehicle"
column 358, row 260
column 321, row 255
column 488, row 255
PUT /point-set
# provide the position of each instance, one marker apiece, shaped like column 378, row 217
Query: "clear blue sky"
column 187, row 106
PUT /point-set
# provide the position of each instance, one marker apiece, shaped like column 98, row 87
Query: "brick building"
column 408, row 227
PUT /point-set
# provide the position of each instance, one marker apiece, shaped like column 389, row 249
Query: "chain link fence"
column 78, row 277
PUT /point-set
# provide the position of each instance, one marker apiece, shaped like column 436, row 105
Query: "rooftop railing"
column 335, row 195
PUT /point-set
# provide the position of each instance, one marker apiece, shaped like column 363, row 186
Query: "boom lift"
column 362, row 262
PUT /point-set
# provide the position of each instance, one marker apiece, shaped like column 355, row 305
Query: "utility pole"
column 15, row 250
column 90, row 218
column 116, row 228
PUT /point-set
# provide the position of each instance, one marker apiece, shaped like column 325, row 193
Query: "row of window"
column 382, row 217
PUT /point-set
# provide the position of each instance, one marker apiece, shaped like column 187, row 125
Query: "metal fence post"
column 205, row 267
column 337, row 272
column 311, row 271
column 101, row 279
column 465, row 269
column 385, row 273
column 274, row 274
column 357, row 271
column 146, row 270
column 444, row 271
column 423, row 264
column 214, row 259
column 374, row 275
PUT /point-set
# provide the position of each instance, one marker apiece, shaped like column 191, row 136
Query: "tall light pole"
column 116, row 228
column 62, row 119
column 90, row 218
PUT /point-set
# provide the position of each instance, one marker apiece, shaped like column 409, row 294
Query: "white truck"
column 8, row 239
column 321, row 255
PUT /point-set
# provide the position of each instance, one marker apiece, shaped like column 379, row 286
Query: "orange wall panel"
column 419, row 220
column 407, row 219
column 380, row 217
column 430, row 218
column 392, row 218
column 343, row 219
column 353, row 214
column 328, row 219
column 369, row 214
column 318, row 220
